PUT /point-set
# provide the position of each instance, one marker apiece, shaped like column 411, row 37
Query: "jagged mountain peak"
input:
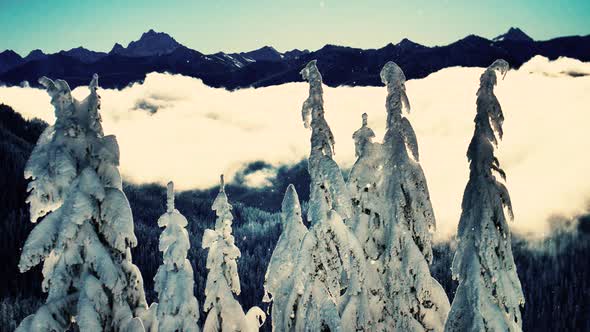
column 151, row 43
column 36, row 54
column 9, row 59
column 9, row 53
column 117, row 49
column 408, row 44
column 295, row 53
column 514, row 34
column 151, row 34
column 265, row 53
column 79, row 48
column 83, row 54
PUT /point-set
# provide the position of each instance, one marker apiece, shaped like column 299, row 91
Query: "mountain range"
column 340, row 65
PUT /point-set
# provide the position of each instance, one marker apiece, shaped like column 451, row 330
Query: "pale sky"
column 230, row 25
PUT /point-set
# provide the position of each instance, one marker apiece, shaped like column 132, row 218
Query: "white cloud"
column 199, row 132
column 260, row 178
column 560, row 67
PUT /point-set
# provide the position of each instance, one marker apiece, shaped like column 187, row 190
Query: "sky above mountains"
column 211, row 26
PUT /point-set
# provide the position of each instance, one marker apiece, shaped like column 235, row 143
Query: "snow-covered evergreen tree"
column 365, row 187
column 224, row 311
column 86, row 237
column 394, row 220
column 328, row 189
column 279, row 275
column 329, row 277
column 489, row 294
column 177, row 309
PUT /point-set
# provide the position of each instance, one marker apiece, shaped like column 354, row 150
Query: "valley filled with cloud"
column 173, row 127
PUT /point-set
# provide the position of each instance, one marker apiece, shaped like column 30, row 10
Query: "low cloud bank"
column 173, row 127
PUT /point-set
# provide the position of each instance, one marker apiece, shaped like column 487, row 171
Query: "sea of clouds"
column 173, row 127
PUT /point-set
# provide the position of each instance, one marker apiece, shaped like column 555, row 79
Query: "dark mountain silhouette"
column 514, row 34
column 117, row 49
column 9, row 59
column 266, row 53
column 151, row 43
column 84, row 55
column 35, row 55
column 340, row 65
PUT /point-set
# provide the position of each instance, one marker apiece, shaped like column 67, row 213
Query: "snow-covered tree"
column 394, row 220
column 489, row 294
column 177, row 309
column 86, row 237
column 279, row 275
column 329, row 276
column 365, row 187
column 328, row 189
column 224, row 312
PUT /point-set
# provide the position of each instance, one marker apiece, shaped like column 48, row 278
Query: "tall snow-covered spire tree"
column 278, row 282
column 329, row 277
column 364, row 188
column 86, row 237
column 397, row 236
column 177, row 309
column 223, row 281
column 328, row 189
column 364, row 184
column 489, row 294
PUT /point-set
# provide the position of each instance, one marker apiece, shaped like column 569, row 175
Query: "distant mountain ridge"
column 340, row 65
column 150, row 43
column 514, row 34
